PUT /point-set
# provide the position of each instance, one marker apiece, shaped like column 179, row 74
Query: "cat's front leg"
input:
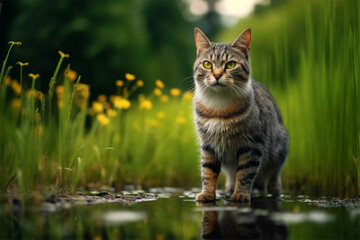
column 249, row 162
column 210, row 170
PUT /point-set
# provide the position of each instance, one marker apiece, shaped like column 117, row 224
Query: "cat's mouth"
column 217, row 86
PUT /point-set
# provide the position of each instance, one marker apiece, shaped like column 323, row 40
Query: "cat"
column 238, row 122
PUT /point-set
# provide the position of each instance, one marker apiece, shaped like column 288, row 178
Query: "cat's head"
column 220, row 66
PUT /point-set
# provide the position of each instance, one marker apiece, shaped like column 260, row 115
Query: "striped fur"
column 238, row 122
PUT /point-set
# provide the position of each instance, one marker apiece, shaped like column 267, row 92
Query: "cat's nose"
column 217, row 76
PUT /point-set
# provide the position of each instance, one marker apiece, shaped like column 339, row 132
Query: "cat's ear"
column 201, row 41
column 243, row 41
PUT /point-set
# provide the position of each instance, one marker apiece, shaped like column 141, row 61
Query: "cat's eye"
column 207, row 64
column 230, row 64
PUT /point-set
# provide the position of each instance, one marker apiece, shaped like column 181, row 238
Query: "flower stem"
column 53, row 81
column 21, row 95
column 4, row 64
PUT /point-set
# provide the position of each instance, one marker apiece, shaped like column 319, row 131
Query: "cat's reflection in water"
column 246, row 221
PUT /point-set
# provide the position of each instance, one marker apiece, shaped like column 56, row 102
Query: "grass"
column 313, row 72
column 48, row 144
column 321, row 106
column 61, row 141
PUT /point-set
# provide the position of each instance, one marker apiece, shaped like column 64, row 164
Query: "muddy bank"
column 169, row 213
column 52, row 202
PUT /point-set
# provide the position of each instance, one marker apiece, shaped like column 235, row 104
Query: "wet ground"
column 167, row 213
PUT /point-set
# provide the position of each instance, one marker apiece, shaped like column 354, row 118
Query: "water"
column 176, row 216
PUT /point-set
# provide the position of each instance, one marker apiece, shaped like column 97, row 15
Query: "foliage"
column 310, row 63
column 105, row 39
column 127, row 141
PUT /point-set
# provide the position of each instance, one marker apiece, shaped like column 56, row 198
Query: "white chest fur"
column 216, row 131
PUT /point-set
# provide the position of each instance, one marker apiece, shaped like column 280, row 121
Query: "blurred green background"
column 306, row 53
column 152, row 38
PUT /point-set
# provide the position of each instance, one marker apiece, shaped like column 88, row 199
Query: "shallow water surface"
column 165, row 215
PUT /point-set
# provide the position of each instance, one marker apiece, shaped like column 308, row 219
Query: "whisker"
column 190, row 85
column 187, row 78
column 191, row 89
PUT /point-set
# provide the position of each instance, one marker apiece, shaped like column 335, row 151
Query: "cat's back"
column 274, row 133
column 266, row 103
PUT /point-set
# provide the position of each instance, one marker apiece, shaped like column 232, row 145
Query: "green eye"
column 230, row 65
column 207, row 64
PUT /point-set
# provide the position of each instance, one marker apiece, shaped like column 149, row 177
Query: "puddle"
column 113, row 218
column 168, row 213
column 296, row 218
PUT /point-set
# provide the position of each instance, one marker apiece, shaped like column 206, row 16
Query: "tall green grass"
column 58, row 142
column 313, row 72
column 321, row 105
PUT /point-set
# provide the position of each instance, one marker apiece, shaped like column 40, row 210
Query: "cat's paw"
column 205, row 197
column 240, row 197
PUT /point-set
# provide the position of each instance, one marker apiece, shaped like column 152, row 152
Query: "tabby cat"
column 237, row 120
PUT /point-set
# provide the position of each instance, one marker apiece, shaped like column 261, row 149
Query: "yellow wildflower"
column 145, row 105
column 34, row 93
column 97, row 107
column 29, row 93
column 129, row 77
column 164, row 98
column 159, row 84
column 83, row 90
column 15, row 43
column 101, row 98
column 181, row 120
column 7, row 81
column 160, row 115
column 175, row 92
column 16, row 87
column 85, row 93
column 34, row 76
column 72, row 75
column 59, row 91
column 15, row 105
column 157, row 92
column 188, row 95
column 63, row 55
column 22, row 64
column 111, row 112
column 140, row 83
column 119, row 83
column 103, row 119
column 122, row 103
column 82, row 86
column 82, row 95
